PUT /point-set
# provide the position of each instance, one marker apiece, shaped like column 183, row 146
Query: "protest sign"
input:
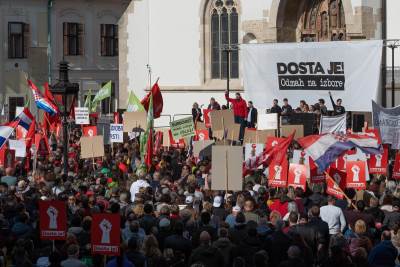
column 182, row 128
column 316, row 175
column 82, row 115
column 7, row 157
column 227, row 168
column 52, row 220
column 202, row 135
column 200, row 126
column 221, row 119
column 19, row 146
column 198, row 146
column 273, row 141
column 207, row 117
column 277, row 174
column 252, row 150
column 233, row 132
column 92, row 147
column 335, row 182
column 219, row 134
column 333, row 124
column 179, row 143
column 116, row 133
column 89, row 130
column 252, row 136
column 105, row 234
column 135, row 121
column 308, row 70
column 287, row 130
column 387, row 120
column 378, row 163
column 267, row 121
column 396, row 167
column 355, row 171
column 297, row 175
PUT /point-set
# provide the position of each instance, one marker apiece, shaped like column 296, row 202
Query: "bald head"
column 205, row 238
column 9, row 171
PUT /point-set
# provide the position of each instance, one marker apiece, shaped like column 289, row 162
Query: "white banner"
column 116, row 133
column 82, row 115
column 19, row 146
column 267, row 121
column 333, row 124
column 308, row 71
column 387, row 120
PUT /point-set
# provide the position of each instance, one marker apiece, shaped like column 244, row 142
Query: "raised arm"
column 228, row 98
column 332, row 101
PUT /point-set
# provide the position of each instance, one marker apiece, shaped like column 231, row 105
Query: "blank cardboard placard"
column 200, row 145
column 233, row 132
column 257, row 136
column 92, row 147
column 287, row 130
column 134, row 120
column 267, row 121
column 227, row 168
column 218, row 134
column 221, row 119
column 200, row 126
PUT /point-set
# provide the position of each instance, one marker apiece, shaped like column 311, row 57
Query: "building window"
column 107, row 105
column 73, row 39
column 224, row 32
column 18, row 39
column 324, row 20
column 109, row 40
column 13, row 103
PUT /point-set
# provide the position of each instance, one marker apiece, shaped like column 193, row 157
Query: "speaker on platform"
column 358, row 122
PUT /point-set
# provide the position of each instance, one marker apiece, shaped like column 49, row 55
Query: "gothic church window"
column 224, row 32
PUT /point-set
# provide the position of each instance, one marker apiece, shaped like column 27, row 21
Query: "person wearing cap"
column 231, row 218
column 205, row 253
column 219, row 213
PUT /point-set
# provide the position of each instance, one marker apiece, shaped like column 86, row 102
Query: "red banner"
column 278, row 174
column 316, row 176
column 89, row 130
column 106, row 234
column 333, row 184
column 202, row 135
column 273, row 141
column 297, row 176
column 356, row 174
column 53, row 220
column 207, row 118
column 176, row 144
column 396, row 168
column 378, row 163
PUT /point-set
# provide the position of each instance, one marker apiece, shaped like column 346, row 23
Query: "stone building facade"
column 183, row 42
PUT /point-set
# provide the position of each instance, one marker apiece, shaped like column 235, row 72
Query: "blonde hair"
column 360, row 227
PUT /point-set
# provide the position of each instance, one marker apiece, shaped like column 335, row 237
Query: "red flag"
column 116, row 118
column 30, row 135
column 277, row 174
column 157, row 101
column 149, row 153
column 72, row 108
column 47, row 93
column 297, row 176
column 123, row 167
column 396, row 168
column 158, row 142
column 335, row 185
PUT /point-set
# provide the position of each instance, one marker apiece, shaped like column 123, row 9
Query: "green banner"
column 182, row 128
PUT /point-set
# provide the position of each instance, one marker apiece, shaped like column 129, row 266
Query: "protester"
column 251, row 115
column 196, row 113
column 214, row 105
column 275, row 107
column 286, row 108
column 239, row 107
column 338, row 109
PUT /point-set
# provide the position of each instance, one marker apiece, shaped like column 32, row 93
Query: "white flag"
column 333, row 124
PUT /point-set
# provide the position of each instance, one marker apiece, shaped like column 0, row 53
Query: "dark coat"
column 209, row 256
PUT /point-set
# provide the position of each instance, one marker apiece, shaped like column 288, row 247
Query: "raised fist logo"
column 297, row 175
column 356, row 172
column 201, row 136
column 274, row 143
column 378, row 160
column 52, row 213
column 345, row 160
column 90, row 132
column 337, row 179
column 105, row 227
column 278, row 170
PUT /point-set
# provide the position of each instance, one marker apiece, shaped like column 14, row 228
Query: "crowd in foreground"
column 169, row 217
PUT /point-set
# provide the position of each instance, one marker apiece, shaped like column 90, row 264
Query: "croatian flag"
column 6, row 130
column 42, row 102
column 25, row 119
column 325, row 149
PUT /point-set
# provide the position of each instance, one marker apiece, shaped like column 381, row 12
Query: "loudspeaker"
column 308, row 120
column 358, row 122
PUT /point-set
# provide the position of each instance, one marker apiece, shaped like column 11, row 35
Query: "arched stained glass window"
column 224, row 31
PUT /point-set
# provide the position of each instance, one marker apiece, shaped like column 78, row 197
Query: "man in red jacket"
column 239, row 110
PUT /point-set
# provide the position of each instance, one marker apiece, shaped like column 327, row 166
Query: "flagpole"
column 340, row 189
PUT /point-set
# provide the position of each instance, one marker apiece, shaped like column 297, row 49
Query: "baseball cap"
column 217, row 202
column 236, row 209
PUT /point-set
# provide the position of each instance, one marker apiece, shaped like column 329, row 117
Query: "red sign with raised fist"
column 316, row 176
column 297, row 176
column 53, row 220
column 278, row 174
column 89, row 131
column 335, row 183
column 202, row 135
column 356, row 174
column 106, row 234
column 273, row 141
column 378, row 163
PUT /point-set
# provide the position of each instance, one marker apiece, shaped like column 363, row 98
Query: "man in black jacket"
column 251, row 115
column 338, row 109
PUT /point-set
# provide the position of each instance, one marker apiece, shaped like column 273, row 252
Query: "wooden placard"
column 257, row 136
column 92, row 147
column 135, row 120
column 227, row 168
column 221, row 119
column 287, row 130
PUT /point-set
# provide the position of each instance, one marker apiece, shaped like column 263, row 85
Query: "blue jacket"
column 383, row 255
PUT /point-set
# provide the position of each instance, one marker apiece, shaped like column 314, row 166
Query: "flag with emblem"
column 43, row 102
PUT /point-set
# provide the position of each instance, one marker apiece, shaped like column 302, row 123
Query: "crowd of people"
column 170, row 217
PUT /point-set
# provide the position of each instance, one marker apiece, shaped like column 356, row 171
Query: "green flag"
column 145, row 136
column 134, row 103
column 28, row 102
column 88, row 103
column 104, row 92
